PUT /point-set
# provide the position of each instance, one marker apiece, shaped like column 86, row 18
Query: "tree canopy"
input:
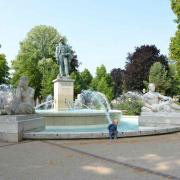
column 158, row 75
column 174, row 88
column 78, row 82
column 175, row 5
column 87, row 78
column 138, row 66
column 49, row 71
column 4, row 69
column 103, row 82
column 174, row 48
column 117, row 77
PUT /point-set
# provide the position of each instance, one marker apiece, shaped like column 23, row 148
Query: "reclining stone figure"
column 155, row 102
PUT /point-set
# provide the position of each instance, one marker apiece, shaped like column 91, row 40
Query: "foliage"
column 39, row 45
column 4, row 74
column 103, row 82
column 86, row 78
column 49, row 70
column 158, row 76
column 78, row 83
column 82, row 81
column 74, row 64
column 174, row 88
column 117, row 77
column 174, row 48
column 129, row 107
column 138, row 66
column 175, row 5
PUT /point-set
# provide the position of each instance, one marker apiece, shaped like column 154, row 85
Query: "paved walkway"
column 142, row 158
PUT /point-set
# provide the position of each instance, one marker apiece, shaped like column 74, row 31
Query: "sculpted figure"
column 23, row 101
column 155, row 102
column 64, row 55
column 92, row 100
column 6, row 97
column 78, row 102
column 48, row 101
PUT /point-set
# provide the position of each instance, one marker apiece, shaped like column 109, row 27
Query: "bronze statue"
column 64, row 55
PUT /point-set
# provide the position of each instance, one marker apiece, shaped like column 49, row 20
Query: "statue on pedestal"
column 64, row 55
column 155, row 102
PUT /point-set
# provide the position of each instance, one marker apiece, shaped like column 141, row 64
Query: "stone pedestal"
column 159, row 119
column 63, row 93
column 12, row 127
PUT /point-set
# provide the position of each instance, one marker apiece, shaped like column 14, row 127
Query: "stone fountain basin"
column 77, row 117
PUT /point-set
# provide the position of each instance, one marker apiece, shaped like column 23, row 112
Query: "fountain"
column 90, row 111
column 87, row 117
column 93, row 108
column 62, row 118
column 90, row 108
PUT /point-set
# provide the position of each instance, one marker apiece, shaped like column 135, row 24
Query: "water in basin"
column 127, row 124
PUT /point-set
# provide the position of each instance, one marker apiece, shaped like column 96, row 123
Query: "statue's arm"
column 165, row 98
column 18, row 93
column 147, row 105
column 31, row 93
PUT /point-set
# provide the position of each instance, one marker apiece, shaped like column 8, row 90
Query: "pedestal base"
column 63, row 93
column 161, row 119
column 12, row 127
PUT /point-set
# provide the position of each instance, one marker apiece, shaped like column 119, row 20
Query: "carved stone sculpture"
column 22, row 101
column 155, row 102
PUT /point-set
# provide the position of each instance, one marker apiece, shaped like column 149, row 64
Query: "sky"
column 100, row 31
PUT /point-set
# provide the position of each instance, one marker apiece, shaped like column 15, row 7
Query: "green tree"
column 174, row 48
column 86, row 78
column 39, row 45
column 117, row 77
column 103, row 82
column 174, row 89
column 78, row 82
column 4, row 69
column 49, row 70
column 175, row 5
column 138, row 66
column 158, row 76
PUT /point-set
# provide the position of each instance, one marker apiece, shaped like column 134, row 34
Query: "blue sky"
column 100, row 31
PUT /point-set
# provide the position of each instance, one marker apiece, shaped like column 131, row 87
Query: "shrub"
column 129, row 107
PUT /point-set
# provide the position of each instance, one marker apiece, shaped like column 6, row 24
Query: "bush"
column 129, row 107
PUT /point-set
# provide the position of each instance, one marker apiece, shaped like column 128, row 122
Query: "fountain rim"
column 75, row 112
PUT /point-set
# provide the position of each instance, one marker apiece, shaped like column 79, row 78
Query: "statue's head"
column 23, row 82
column 63, row 40
column 151, row 87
